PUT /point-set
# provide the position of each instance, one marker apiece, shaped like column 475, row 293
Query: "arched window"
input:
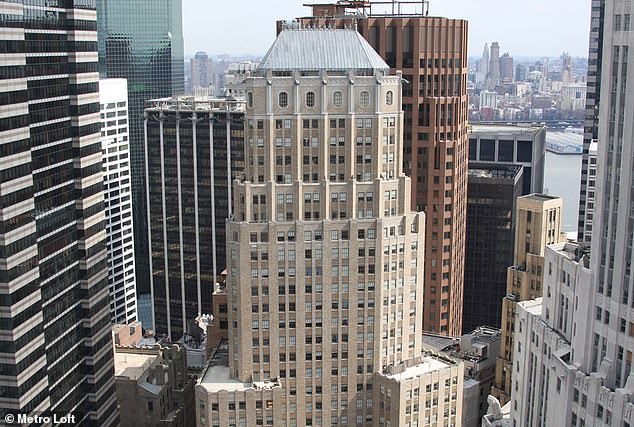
column 389, row 97
column 337, row 99
column 250, row 99
column 282, row 99
column 310, row 99
column 364, row 99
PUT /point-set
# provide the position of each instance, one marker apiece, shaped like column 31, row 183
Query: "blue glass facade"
column 141, row 41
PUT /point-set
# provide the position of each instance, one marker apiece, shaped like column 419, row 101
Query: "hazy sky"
column 523, row 28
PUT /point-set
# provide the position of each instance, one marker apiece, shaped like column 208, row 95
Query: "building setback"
column 432, row 54
column 153, row 386
column 192, row 145
column 325, row 254
column 115, row 146
column 56, row 342
column 537, row 224
column 141, row 41
column 523, row 145
column 493, row 190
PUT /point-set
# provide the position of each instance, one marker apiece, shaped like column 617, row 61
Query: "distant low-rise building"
column 153, row 387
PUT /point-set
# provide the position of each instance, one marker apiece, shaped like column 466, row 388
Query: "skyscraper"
column 494, row 64
column 490, row 233
column 192, row 146
column 484, row 62
column 590, row 375
column 537, row 225
column 432, row 53
column 56, row 340
column 591, row 124
column 141, row 41
column 325, row 253
column 202, row 70
column 115, row 145
column 506, row 68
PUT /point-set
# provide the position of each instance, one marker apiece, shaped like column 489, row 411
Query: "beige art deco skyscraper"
column 432, row 54
column 325, row 255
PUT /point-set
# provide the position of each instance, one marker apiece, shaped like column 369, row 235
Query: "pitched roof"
column 321, row 49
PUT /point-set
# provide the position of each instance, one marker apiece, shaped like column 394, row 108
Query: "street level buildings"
column 432, row 54
column 478, row 351
column 115, row 147
column 153, row 386
column 56, row 341
column 493, row 190
column 194, row 148
column 141, row 41
column 538, row 224
column 325, row 255
column 521, row 144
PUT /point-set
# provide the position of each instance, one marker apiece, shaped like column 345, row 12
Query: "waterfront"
column 562, row 177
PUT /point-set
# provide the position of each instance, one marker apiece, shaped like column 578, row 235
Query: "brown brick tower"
column 432, row 54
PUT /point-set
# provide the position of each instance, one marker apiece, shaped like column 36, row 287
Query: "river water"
column 562, row 177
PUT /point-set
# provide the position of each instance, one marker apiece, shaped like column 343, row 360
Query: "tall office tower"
column 432, row 53
column 202, row 70
column 523, row 145
column 326, row 255
column 591, row 124
column 141, row 41
column 492, row 191
column 594, row 375
column 192, row 146
column 537, row 224
column 506, row 68
column 115, row 146
column 567, row 75
column 521, row 71
column 494, row 63
column 56, row 342
column 485, row 62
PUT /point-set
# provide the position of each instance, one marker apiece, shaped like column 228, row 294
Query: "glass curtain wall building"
column 141, row 41
column 55, row 339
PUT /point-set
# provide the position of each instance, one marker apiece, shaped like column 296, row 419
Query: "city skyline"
column 551, row 33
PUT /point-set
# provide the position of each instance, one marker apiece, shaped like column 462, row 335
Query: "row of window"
column 337, row 99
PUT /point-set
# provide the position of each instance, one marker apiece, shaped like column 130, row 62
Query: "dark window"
column 506, row 151
column 487, row 150
column 524, row 151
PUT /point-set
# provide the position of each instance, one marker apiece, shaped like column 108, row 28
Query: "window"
column 337, row 99
column 282, row 99
column 364, row 99
column 310, row 99
column 389, row 97
column 250, row 99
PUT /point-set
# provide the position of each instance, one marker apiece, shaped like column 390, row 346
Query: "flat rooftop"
column 217, row 376
column 533, row 306
column 539, row 197
column 506, row 129
column 132, row 365
column 493, row 171
column 427, row 365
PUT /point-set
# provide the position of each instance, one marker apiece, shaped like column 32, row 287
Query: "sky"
column 523, row 28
